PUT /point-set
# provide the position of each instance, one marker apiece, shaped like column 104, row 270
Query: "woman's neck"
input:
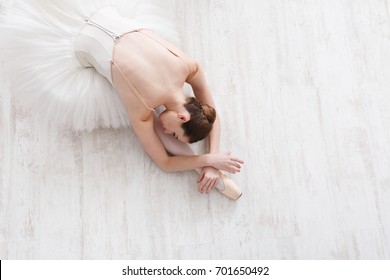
column 176, row 104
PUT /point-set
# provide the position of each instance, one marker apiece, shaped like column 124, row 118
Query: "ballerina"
column 145, row 72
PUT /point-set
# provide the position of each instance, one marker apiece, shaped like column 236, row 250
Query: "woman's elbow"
column 165, row 166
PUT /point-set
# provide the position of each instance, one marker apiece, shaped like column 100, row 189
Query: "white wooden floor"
column 303, row 89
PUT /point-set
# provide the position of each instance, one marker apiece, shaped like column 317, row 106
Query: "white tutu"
column 37, row 47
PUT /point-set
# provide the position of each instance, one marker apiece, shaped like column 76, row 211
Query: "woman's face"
column 172, row 121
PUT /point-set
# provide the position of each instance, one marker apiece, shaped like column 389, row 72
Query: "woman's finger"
column 205, row 186
column 236, row 159
column 212, row 185
column 230, row 170
column 209, row 185
column 201, row 185
column 200, row 177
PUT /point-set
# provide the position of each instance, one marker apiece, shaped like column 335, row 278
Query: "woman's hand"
column 208, row 179
column 225, row 162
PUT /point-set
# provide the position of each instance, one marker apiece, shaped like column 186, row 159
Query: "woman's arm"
column 153, row 146
column 197, row 80
column 209, row 176
column 155, row 149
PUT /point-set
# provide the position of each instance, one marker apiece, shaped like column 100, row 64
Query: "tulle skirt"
column 39, row 64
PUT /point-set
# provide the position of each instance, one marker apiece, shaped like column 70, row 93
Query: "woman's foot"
column 228, row 188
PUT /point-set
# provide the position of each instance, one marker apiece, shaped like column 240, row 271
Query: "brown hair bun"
column 202, row 117
column 209, row 112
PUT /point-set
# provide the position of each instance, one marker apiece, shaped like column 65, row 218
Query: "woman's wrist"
column 207, row 159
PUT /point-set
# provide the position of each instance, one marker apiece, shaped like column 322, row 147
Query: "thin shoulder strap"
column 158, row 40
column 132, row 87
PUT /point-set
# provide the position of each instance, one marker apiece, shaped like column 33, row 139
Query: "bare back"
column 155, row 69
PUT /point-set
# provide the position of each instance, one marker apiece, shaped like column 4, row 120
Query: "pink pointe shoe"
column 228, row 187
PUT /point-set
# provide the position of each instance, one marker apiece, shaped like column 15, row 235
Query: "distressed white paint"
column 303, row 91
